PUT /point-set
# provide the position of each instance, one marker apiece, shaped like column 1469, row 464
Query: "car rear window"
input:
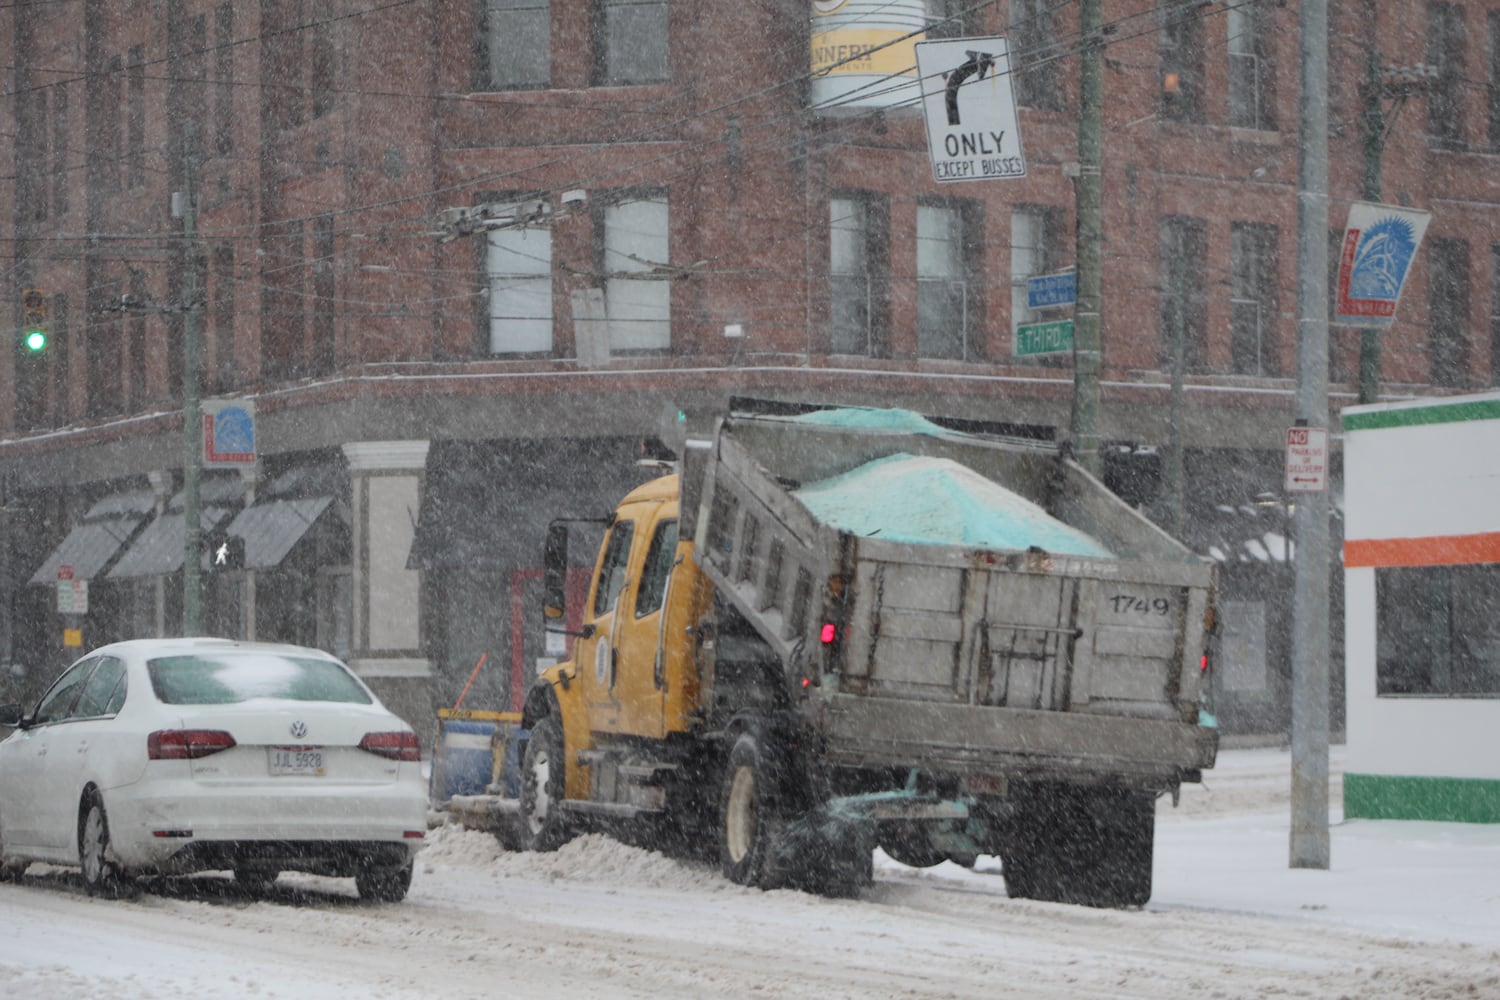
column 228, row 678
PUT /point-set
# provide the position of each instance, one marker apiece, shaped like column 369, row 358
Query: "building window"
column 1035, row 248
column 1448, row 313
column 135, row 115
column 283, row 301
column 107, row 151
column 1250, row 76
column 105, row 361
column 856, row 273
column 1252, row 299
column 224, row 49
column 944, row 311
column 1181, row 53
column 60, row 164
column 324, row 287
column 282, row 65
column 517, row 44
column 518, row 265
column 1034, row 55
column 637, row 241
column 135, row 344
column 223, row 316
column 1445, row 50
column 1436, row 633
column 1184, row 299
column 1493, row 83
column 322, row 67
column 630, row 42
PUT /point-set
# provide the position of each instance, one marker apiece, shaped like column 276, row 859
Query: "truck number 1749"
column 1125, row 604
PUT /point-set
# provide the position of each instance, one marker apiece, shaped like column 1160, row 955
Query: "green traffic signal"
column 36, row 341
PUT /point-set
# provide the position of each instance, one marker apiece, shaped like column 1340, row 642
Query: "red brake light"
column 1203, row 663
column 186, row 744
column 830, row 632
column 396, row 746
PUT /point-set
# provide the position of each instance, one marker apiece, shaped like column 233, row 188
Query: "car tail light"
column 186, row 744
column 396, row 746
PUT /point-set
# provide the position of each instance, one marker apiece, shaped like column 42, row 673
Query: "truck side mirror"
column 555, row 575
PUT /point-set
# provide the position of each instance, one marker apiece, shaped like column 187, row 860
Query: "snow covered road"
column 1408, row 910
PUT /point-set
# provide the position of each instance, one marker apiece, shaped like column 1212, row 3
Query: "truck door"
column 595, row 655
column 640, row 685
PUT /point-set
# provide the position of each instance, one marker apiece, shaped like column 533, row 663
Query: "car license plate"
column 305, row 761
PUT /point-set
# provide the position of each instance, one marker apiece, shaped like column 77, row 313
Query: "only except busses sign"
column 970, row 109
column 1306, row 460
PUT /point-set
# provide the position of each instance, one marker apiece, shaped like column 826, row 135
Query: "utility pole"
column 1089, row 207
column 1309, row 820
column 1381, row 84
column 192, row 438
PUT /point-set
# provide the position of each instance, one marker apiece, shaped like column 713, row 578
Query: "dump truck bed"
column 1070, row 647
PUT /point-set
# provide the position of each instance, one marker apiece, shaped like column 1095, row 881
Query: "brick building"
column 672, row 222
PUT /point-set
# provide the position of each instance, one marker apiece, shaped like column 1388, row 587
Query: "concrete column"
column 387, row 480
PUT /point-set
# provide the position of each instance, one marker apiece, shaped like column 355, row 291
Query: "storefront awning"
column 272, row 528
column 158, row 549
column 93, row 542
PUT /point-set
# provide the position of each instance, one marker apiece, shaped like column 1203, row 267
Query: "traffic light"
column 34, row 320
column 224, row 551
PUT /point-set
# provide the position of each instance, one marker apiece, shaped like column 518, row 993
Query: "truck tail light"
column 829, row 633
column 186, row 744
column 396, row 746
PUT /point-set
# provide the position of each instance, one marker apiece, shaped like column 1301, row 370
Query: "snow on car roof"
column 937, row 501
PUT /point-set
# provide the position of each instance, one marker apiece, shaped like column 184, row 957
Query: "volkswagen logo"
column 299, row 729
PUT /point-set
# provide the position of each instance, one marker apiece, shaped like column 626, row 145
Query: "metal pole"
column 1176, row 474
column 1088, row 192
column 1374, row 125
column 1309, row 821
column 192, row 438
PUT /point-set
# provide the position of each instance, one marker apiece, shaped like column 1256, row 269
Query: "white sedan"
column 166, row 756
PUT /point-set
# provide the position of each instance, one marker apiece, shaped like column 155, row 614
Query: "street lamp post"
column 192, row 438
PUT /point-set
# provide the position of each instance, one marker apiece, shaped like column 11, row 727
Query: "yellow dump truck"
column 855, row 627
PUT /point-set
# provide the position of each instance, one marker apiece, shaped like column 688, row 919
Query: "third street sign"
column 1044, row 338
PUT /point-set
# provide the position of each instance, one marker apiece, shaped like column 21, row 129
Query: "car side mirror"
column 11, row 715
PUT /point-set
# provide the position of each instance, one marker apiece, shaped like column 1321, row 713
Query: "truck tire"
column 543, row 826
column 1090, row 846
column 748, row 813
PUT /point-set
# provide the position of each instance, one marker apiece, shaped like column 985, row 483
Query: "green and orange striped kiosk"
column 1422, row 609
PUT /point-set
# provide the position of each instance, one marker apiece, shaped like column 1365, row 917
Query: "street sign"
column 72, row 597
column 1044, row 338
column 970, row 109
column 1306, row 459
column 1380, row 242
column 228, row 433
column 1048, row 291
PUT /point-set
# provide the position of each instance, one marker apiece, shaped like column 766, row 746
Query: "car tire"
column 543, row 824
column 255, row 881
column 101, row 877
column 11, row 870
column 384, row 885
